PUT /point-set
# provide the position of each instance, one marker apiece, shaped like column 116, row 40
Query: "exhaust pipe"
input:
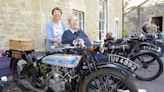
column 28, row 85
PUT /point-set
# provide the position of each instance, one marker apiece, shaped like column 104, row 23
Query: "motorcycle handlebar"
column 67, row 46
column 62, row 47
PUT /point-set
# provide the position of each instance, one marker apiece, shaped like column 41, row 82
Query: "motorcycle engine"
column 57, row 84
column 60, row 78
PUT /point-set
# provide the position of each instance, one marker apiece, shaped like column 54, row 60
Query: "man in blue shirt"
column 74, row 32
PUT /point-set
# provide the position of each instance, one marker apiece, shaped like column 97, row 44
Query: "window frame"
column 81, row 19
column 103, row 17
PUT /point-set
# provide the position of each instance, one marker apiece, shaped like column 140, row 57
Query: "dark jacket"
column 68, row 37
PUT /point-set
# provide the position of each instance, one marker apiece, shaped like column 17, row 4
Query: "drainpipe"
column 122, row 17
column 139, row 15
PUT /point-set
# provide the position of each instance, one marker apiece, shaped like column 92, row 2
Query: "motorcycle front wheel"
column 22, row 71
column 107, row 80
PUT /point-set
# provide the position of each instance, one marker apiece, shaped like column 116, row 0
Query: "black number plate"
column 123, row 61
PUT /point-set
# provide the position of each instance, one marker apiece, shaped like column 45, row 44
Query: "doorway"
column 158, row 21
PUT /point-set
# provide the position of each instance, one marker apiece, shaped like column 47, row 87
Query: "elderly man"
column 74, row 32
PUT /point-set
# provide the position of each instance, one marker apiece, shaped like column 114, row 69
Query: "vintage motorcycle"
column 72, row 69
column 151, row 42
column 142, row 53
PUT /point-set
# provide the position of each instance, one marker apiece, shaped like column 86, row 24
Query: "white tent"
column 133, row 4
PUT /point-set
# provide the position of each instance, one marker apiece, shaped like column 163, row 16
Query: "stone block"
column 11, row 3
column 30, row 5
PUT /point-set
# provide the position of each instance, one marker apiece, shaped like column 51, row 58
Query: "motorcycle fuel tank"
column 62, row 60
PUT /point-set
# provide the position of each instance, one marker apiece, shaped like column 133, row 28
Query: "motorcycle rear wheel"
column 107, row 80
column 161, row 45
column 151, row 66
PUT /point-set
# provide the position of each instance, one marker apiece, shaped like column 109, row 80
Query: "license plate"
column 152, row 48
column 116, row 59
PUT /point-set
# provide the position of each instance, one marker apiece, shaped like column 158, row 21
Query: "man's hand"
column 78, row 42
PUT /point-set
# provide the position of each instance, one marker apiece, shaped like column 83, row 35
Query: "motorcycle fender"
column 118, row 68
column 145, row 43
column 114, row 67
column 143, row 51
column 148, row 44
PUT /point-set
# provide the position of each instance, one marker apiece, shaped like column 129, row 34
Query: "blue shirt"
column 50, row 34
column 69, row 36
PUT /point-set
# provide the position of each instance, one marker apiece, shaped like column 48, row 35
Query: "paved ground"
column 152, row 86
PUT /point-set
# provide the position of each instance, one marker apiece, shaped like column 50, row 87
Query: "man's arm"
column 86, row 39
column 66, row 38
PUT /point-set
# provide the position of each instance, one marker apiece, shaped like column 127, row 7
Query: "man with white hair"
column 74, row 32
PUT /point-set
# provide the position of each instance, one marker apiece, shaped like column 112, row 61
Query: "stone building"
column 27, row 18
column 151, row 11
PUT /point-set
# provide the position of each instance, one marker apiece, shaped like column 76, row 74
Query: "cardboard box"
column 21, row 44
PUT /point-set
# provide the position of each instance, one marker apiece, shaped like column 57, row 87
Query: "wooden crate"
column 21, row 44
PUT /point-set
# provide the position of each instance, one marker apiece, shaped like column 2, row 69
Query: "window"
column 102, row 19
column 116, row 28
column 80, row 15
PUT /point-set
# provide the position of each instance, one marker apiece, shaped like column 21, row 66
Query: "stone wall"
column 91, row 17
column 146, row 14
column 27, row 18
column 115, row 14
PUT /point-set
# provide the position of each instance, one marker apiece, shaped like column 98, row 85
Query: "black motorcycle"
column 142, row 53
column 153, row 40
column 72, row 69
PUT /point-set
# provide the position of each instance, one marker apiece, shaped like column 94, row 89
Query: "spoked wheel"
column 107, row 80
column 22, row 71
column 161, row 46
column 151, row 66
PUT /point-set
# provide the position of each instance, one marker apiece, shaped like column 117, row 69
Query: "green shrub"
column 125, row 34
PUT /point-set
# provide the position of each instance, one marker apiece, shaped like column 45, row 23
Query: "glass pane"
column 99, row 15
column 80, row 24
column 103, row 16
column 80, row 14
column 99, row 34
column 99, row 25
column 102, row 24
column 103, row 5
